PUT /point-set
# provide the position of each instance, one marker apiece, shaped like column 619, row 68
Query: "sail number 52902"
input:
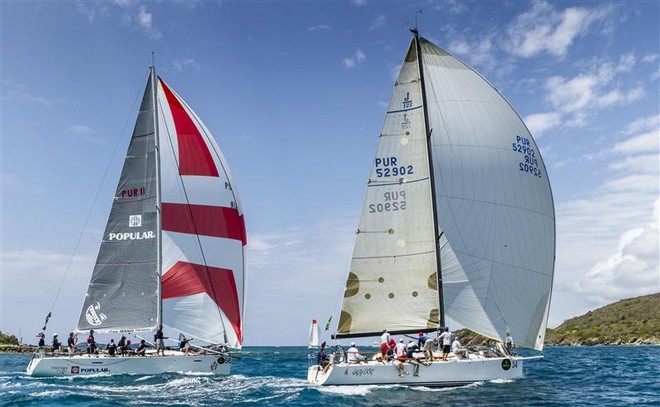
column 530, row 165
column 389, row 167
column 393, row 201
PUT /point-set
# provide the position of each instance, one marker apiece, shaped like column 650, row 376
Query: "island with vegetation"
column 11, row 344
column 633, row 321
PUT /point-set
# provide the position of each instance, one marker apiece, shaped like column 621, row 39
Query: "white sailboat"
column 313, row 339
column 457, row 228
column 173, row 249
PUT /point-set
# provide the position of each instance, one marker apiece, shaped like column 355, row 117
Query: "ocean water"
column 568, row 376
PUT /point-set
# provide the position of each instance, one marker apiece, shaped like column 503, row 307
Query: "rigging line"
column 192, row 220
column 96, row 195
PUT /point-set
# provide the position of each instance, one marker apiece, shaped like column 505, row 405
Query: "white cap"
column 54, row 334
column 352, row 343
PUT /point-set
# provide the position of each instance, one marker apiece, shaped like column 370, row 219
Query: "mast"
column 159, row 240
column 432, row 179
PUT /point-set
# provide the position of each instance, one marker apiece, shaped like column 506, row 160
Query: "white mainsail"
column 173, row 249
column 489, row 213
column 392, row 282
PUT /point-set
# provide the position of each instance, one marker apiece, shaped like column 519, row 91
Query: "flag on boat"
column 46, row 321
column 327, row 324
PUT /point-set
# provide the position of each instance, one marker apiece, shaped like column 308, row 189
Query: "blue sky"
column 295, row 92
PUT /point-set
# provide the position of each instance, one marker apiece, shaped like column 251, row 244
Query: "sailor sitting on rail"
column 353, row 355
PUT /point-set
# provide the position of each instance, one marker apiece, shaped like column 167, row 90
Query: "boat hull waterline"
column 84, row 365
column 436, row 374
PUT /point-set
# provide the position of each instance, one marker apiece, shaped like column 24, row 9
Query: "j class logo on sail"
column 529, row 162
column 392, row 167
column 407, row 102
column 390, row 201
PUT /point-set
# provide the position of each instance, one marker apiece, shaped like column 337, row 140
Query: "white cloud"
column 626, row 63
column 459, row 47
column 132, row 14
column 480, row 52
column 453, row 6
column 643, row 143
column 581, row 96
column 180, row 64
column 144, row 20
column 645, row 123
column 540, row 122
column 592, row 268
column 80, row 129
column 631, row 271
column 378, row 22
column 650, row 58
column 359, row 2
column 320, row 27
column 87, row 10
column 645, row 163
column 12, row 92
column 354, row 60
column 545, row 29
column 123, row 3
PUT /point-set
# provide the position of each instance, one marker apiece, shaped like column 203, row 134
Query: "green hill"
column 631, row 321
column 8, row 339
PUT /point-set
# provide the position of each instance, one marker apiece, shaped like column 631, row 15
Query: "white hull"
column 150, row 364
column 453, row 372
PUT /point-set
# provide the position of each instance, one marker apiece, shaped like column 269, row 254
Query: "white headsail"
column 494, row 205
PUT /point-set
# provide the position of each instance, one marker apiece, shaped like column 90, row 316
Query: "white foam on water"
column 189, row 373
column 49, row 393
column 433, row 389
column 445, row 389
column 361, row 390
column 143, row 378
column 500, row 381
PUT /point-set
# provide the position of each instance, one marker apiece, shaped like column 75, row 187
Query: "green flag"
column 46, row 322
column 327, row 324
